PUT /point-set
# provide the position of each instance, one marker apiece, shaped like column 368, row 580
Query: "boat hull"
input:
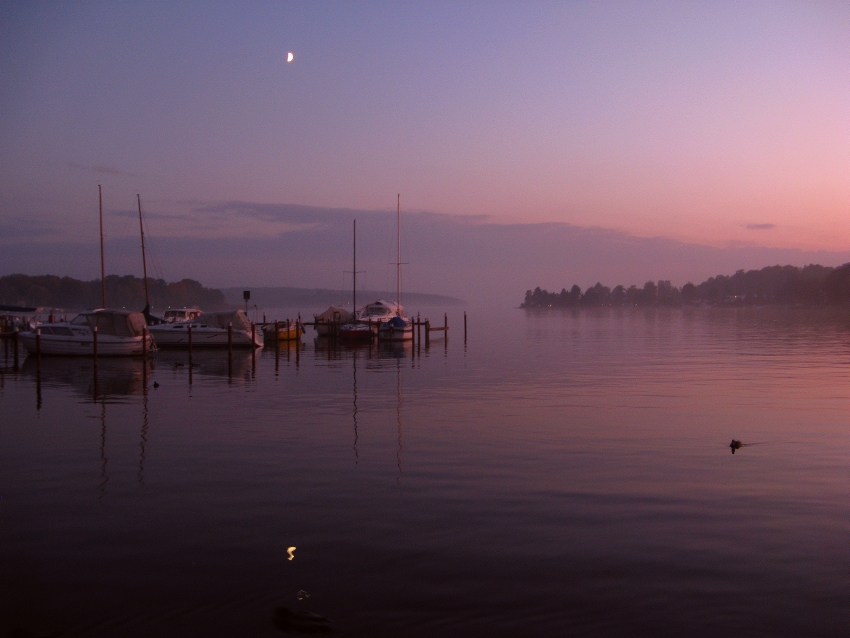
column 292, row 333
column 395, row 333
column 77, row 346
column 357, row 331
column 176, row 335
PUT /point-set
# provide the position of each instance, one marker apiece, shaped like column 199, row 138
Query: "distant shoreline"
column 271, row 297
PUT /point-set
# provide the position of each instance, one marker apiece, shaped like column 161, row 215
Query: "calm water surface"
column 561, row 474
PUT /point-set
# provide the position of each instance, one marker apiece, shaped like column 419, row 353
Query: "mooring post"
column 15, row 345
column 464, row 326
column 38, row 387
column 446, row 323
column 427, row 333
column 94, row 344
column 190, row 344
column 145, row 343
column 276, row 338
column 38, row 342
column 230, row 339
column 253, row 347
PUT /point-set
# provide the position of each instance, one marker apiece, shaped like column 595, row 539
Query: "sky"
column 532, row 143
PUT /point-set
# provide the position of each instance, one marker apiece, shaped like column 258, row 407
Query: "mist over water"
column 560, row 473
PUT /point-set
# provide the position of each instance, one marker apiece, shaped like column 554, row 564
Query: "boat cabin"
column 179, row 315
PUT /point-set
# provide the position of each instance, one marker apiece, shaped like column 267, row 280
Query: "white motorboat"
column 209, row 330
column 120, row 333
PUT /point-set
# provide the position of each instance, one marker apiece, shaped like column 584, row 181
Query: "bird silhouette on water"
column 735, row 445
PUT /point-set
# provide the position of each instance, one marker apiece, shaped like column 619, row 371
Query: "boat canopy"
column 118, row 323
column 337, row 315
column 397, row 322
column 224, row 318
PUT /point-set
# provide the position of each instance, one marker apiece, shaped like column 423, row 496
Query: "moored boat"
column 396, row 329
column 379, row 311
column 357, row 331
column 286, row 331
column 209, row 330
column 120, row 333
column 330, row 320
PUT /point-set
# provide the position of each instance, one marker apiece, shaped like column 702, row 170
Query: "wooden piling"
column 145, row 343
column 94, row 344
column 464, row 326
column 253, row 346
column 230, row 339
column 427, row 332
column 15, row 345
column 38, row 342
column 190, row 343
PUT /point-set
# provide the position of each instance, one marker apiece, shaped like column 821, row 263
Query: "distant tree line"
column 776, row 285
column 128, row 291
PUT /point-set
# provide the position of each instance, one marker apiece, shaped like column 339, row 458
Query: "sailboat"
column 356, row 328
column 100, row 332
column 397, row 328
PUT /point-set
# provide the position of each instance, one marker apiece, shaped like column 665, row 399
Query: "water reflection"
column 107, row 380
column 398, row 418
column 301, row 622
column 238, row 366
column 354, row 408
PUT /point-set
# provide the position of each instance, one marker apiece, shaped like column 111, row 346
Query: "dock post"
column 15, row 346
column 253, row 347
column 464, row 326
column 38, row 388
column 297, row 342
column 94, row 344
column 145, row 343
column 427, row 333
column 190, row 344
column 38, row 342
column 276, row 346
column 446, row 323
column 230, row 352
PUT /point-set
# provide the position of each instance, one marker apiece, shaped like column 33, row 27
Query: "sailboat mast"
column 144, row 263
column 102, row 265
column 354, row 273
column 398, row 252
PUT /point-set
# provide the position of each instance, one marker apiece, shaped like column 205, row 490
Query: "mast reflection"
column 104, row 477
column 354, row 411
column 398, row 418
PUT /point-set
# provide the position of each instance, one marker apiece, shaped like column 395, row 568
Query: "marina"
column 575, row 479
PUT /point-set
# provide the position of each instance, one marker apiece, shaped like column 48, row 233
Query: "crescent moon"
column 290, row 57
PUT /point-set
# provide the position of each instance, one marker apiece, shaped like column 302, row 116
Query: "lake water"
column 559, row 474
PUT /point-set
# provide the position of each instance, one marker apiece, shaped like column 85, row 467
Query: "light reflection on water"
column 559, row 474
